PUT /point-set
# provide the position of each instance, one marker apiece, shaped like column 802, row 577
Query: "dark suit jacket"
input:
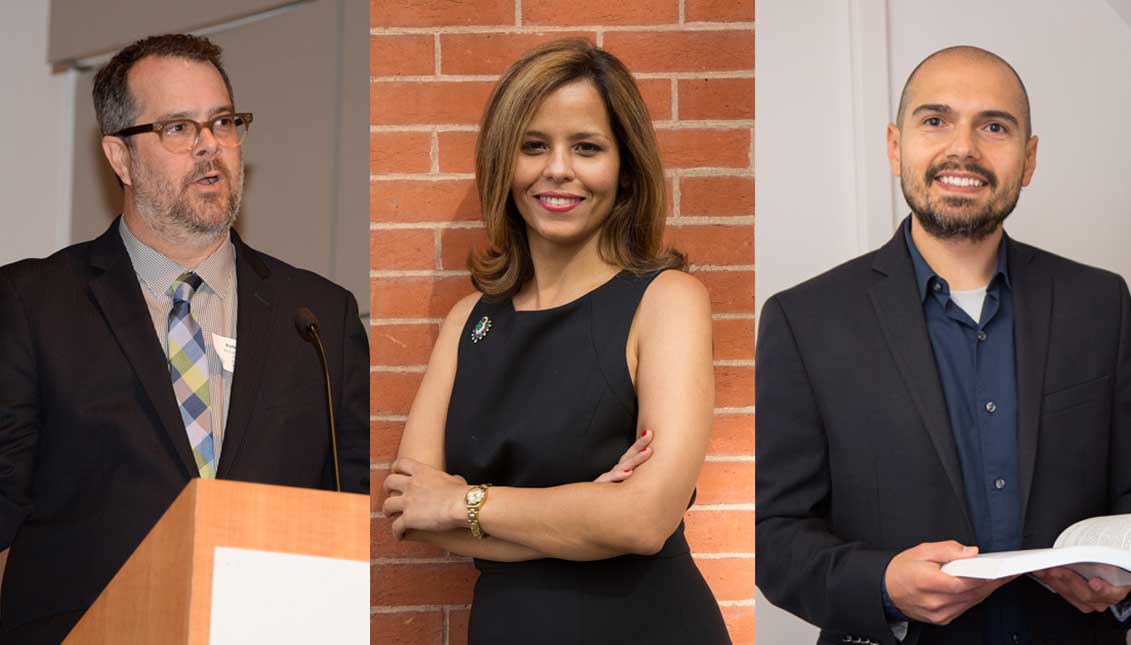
column 92, row 446
column 856, row 459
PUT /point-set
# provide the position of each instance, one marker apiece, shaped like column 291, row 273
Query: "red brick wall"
column 433, row 63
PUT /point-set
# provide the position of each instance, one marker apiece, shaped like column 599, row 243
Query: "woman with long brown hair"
column 563, row 418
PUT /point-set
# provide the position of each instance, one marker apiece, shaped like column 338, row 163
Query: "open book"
column 1098, row 547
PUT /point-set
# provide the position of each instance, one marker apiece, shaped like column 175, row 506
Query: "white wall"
column 828, row 81
column 34, row 137
column 802, row 142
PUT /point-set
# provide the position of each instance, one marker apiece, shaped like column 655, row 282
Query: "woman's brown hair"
column 632, row 235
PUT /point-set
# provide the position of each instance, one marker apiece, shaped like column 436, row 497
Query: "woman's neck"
column 562, row 274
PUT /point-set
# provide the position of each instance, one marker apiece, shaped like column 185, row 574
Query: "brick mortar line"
column 394, row 418
column 737, row 603
column 426, row 127
column 699, row 25
column 455, row 273
column 423, row 273
column 711, row 171
column 735, row 221
column 436, row 57
column 704, row 124
column 666, row 126
column 434, row 78
column 393, row 226
column 517, row 13
column 706, row 75
column 682, row 12
column 397, row 369
column 699, row 124
column 388, row 322
column 433, row 155
column 670, row 173
column 722, row 268
column 420, row 176
column 697, row 76
column 457, row 560
column 734, row 410
column 404, row 609
column 384, row 322
column 437, row 248
column 709, row 220
column 674, row 77
column 677, row 196
column 751, row 153
column 675, row 98
column 421, row 367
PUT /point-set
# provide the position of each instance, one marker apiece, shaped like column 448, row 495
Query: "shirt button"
column 981, row 335
column 937, row 286
column 999, row 484
column 1015, row 637
column 991, row 407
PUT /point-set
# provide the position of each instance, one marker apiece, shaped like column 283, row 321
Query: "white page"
column 288, row 599
column 1111, row 564
column 1108, row 530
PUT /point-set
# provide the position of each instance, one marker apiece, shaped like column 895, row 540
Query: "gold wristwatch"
column 475, row 498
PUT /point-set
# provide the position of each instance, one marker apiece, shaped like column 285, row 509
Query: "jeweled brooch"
column 480, row 330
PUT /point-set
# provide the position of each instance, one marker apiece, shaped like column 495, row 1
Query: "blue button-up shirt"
column 976, row 367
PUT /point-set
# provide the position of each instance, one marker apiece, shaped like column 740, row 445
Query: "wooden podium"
column 165, row 588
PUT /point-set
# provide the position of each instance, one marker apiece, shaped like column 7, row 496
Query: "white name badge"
column 226, row 349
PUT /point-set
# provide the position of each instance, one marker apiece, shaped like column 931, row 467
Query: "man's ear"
column 893, row 135
column 1030, row 160
column 118, row 154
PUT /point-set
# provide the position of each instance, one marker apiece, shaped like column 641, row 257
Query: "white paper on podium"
column 288, row 599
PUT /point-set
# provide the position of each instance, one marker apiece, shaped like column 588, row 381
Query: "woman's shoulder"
column 673, row 290
column 673, row 300
column 457, row 316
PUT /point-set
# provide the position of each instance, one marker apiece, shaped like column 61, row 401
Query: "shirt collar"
column 924, row 274
column 156, row 272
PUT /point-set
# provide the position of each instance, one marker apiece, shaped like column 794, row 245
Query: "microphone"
column 307, row 325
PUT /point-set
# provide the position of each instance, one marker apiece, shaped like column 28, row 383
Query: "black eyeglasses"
column 182, row 135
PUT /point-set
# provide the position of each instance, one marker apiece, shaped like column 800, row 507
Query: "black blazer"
column 856, row 459
column 92, row 446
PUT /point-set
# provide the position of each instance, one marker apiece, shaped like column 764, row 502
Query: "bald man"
column 950, row 393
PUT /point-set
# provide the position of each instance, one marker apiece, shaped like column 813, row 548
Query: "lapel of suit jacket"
column 255, row 302
column 117, row 293
column 900, row 312
column 1032, row 320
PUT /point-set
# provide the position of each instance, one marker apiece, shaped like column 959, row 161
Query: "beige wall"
column 34, row 139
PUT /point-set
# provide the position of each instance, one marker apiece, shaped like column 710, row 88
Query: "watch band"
column 475, row 498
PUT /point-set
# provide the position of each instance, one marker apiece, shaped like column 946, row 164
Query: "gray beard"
column 175, row 215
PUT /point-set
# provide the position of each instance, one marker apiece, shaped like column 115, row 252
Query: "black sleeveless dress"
column 544, row 398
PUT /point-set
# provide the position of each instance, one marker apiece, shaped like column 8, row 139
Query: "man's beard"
column 176, row 212
column 973, row 226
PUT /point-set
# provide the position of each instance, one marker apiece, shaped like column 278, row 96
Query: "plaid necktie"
column 188, row 366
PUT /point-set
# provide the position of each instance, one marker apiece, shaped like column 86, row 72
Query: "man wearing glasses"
column 163, row 350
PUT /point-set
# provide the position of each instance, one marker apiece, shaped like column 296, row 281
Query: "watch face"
column 475, row 495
